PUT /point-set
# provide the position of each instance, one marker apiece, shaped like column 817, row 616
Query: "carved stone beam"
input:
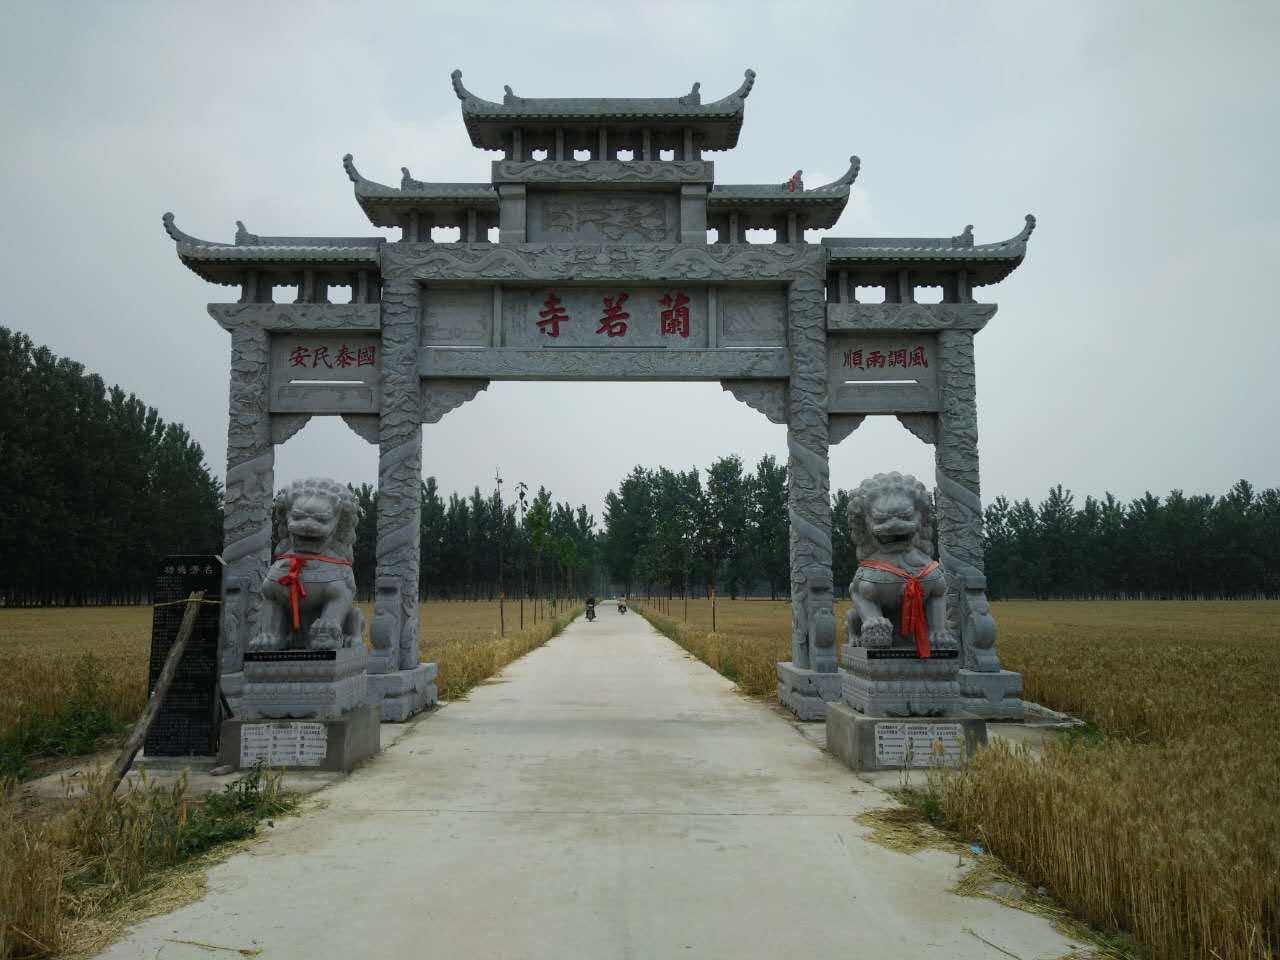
column 298, row 317
column 861, row 317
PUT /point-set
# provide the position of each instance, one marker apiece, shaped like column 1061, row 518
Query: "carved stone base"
column 992, row 696
column 402, row 693
column 806, row 693
column 311, row 684
column 342, row 744
column 232, row 686
column 867, row 743
column 897, row 683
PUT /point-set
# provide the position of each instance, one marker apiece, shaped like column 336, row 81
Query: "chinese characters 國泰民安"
column 343, row 357
column 881, row 359
column 672, row 319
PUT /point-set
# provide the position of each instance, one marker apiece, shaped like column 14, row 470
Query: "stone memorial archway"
column 602, row 270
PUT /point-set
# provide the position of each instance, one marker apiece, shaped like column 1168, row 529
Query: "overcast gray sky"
column 1135, row 349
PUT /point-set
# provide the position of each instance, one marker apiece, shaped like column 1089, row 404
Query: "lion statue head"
column 889, row 514
column 319, row 516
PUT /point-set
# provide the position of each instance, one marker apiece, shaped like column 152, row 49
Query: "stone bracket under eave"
column 439, row 396
column 843, row 317
column 766, row 396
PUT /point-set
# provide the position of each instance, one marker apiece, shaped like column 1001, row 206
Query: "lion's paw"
column 877, row 632
column 943, row 640
column 326, row 634
column 266, row 641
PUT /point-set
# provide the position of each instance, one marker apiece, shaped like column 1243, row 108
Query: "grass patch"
column 61, row 874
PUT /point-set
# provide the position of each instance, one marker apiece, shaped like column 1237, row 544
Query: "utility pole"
column 502, row 522
column 522, row 490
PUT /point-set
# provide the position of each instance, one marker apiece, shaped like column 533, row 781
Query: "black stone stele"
column 188, row 719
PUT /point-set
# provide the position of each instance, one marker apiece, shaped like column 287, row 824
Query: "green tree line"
column 723, row 529
column 1178, row 547
column 726, row 529
column 95, row 486
column 476, row 547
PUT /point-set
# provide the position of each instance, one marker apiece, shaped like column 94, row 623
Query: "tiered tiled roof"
column 985, row 262
column 716, row 125
column 226, row 263
column 443, row 204
column 761, row 206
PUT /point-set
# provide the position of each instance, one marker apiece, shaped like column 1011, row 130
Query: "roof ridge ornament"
column 844, row 180
column 743, row 91
column 459, row 90
column 348, row 164
column 244, row 237
column 408, row 183
column 178, row 236
column 693, row 98
column 965, row 238
column 1025, row 235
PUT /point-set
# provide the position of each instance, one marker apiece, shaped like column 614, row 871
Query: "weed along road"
column 606, row 796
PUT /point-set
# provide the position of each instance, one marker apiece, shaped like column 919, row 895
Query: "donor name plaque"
column 187, row 722
column 919, row 744
column 285, row 744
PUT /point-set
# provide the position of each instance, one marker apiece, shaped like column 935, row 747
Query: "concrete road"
column 608, row 796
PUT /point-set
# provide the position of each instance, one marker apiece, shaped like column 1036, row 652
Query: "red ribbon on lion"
column 913, row 619
column 293, row 579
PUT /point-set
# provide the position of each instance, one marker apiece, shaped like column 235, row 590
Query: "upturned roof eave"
column 719, row 123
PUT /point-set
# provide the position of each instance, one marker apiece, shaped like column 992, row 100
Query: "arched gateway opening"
column 602, row 271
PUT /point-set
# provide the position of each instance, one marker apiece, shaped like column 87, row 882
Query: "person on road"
column 591, row 608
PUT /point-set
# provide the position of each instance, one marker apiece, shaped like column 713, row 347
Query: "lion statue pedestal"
column 308, row 661
column 899, row 659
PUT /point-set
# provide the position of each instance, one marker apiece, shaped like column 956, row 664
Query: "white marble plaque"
column 288, row 744
column 911, row 744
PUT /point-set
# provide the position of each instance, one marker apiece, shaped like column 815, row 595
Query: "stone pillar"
column 396, row 673
column 693, row 213
column 987, row 690
column 810, row 680
column 511, row 213
column 250, row 489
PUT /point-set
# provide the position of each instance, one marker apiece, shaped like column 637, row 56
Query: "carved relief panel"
column 752, row 316
column 457, row 316
column 602, row 216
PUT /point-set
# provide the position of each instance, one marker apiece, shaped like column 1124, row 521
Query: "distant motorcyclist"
column 591, row 608
column 622, row 603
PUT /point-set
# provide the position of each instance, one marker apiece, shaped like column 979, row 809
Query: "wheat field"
column 124, row 842
column 39, row 649
column 1163, row 821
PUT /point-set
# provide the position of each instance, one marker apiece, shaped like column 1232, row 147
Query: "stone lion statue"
column 308, row 598
column 899, row 592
